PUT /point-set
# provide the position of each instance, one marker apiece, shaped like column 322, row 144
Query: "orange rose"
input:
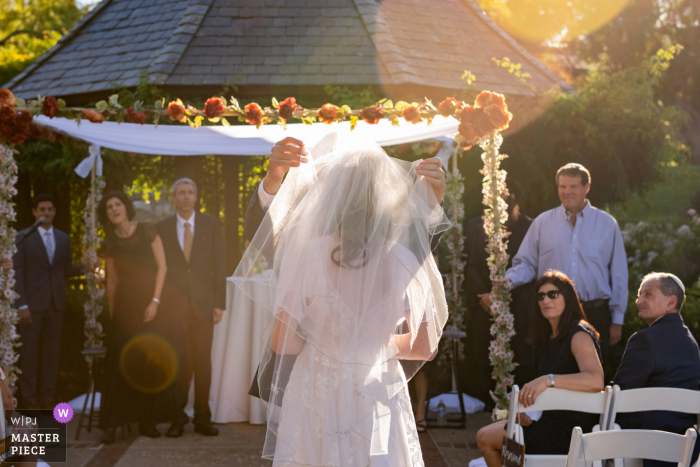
column 176, row 109
column 411, row 113
column 213, row 107
column 373, row 114
column 486, row 98
column 287, row 108
column 50, row 107
column 478, row 119
column 449, row 106
column 328, row 113
column 254, row 114
column 499, row 117
column 93, row 116
column 467, row 131
column 15, row 128
column 7, row 99
column 134, row 117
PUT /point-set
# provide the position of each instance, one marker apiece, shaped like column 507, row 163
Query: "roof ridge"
column 59, row 44
column 365, row 8
column 519, row 48
column 170, row 54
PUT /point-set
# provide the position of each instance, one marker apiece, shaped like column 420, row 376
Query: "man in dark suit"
column 665, row 355
column 194, row 295
column 42, row 263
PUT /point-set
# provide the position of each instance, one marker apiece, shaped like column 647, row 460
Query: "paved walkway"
column 240, row 444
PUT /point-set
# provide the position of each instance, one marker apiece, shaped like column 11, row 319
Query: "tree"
column 28, row 28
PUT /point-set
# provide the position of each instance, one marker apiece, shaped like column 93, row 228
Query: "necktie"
column 188, row 241
column 48, row 242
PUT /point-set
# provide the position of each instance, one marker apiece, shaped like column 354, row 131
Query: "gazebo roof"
column 416, row 46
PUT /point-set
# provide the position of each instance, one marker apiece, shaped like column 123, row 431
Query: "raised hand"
column 285, row 154
column 431, row 169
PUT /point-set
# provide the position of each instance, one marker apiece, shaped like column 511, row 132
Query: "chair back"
column 646, row 399
column 562, row 399
column 638, row 444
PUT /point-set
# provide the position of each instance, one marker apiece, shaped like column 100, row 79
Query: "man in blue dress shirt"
column 585, row 243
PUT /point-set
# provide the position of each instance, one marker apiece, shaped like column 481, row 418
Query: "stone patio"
column 240, row 444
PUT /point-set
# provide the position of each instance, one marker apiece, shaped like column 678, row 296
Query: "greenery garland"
column 90, row 240
column 454, row 240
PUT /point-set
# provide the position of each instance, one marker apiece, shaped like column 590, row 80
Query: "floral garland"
column 90, row 240
column 495, row 217
column 489, row 113
column 9, row 339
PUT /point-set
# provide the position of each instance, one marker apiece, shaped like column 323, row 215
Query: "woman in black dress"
column 570, row 356
column 139, row 361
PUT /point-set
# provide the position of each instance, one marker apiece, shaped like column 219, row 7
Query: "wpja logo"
column 37, row 435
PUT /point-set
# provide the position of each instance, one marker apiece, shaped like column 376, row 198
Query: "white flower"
column 684, row 230
column 501, row 414
column 692, row 212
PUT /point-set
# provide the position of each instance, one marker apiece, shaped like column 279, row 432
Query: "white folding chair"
column 637, row 444
column 646, row 399
column 557, row 399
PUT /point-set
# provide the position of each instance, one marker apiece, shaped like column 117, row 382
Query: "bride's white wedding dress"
column 355, row 289
column 330, row 415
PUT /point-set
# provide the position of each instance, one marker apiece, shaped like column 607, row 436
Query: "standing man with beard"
column 195, row 297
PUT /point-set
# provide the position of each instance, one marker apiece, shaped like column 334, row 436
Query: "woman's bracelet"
column 156, row 300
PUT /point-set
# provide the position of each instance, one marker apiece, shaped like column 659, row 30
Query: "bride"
column 355, row 288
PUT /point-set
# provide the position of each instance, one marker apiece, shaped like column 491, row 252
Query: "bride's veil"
column 342, row 263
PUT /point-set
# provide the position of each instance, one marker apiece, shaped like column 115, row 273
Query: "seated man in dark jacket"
column 665, row 355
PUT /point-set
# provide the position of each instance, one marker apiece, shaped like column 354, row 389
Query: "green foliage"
column 643, row 27
column 28, row 28
column 613, row 125
column 355, row 99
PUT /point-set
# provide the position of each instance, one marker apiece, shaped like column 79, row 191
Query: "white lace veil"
column 353, row 279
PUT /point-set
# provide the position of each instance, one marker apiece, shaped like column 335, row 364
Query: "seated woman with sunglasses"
column 569, row 359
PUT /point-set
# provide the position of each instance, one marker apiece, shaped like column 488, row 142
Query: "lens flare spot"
column 558, row 20
column 148, row 363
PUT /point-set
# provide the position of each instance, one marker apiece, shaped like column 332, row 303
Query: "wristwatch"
column 551, row 380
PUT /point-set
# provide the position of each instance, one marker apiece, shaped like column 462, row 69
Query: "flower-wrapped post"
column 481, row 124
column 9, row 339
column 495, row 217
column 90, row 240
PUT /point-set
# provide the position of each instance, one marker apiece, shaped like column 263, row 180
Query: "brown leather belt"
column 594, row 303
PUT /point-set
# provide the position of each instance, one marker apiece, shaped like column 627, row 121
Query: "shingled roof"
column 414, row 45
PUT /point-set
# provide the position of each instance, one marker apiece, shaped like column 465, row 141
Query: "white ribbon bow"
column 86, row 164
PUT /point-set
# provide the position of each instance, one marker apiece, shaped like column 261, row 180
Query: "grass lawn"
column 667, row 200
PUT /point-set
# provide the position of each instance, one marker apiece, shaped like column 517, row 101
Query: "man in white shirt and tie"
column 193, row 299
column 41, row 263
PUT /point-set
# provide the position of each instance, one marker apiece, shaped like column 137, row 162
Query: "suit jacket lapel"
column 199, row 233
column 172, row 232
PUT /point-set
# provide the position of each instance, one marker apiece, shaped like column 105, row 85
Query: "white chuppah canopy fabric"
column 238, row 140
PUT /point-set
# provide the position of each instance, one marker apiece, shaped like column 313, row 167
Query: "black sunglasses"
column 552, row 294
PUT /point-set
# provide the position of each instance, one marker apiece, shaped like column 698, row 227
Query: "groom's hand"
column 284, row 155
column 431, row 169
